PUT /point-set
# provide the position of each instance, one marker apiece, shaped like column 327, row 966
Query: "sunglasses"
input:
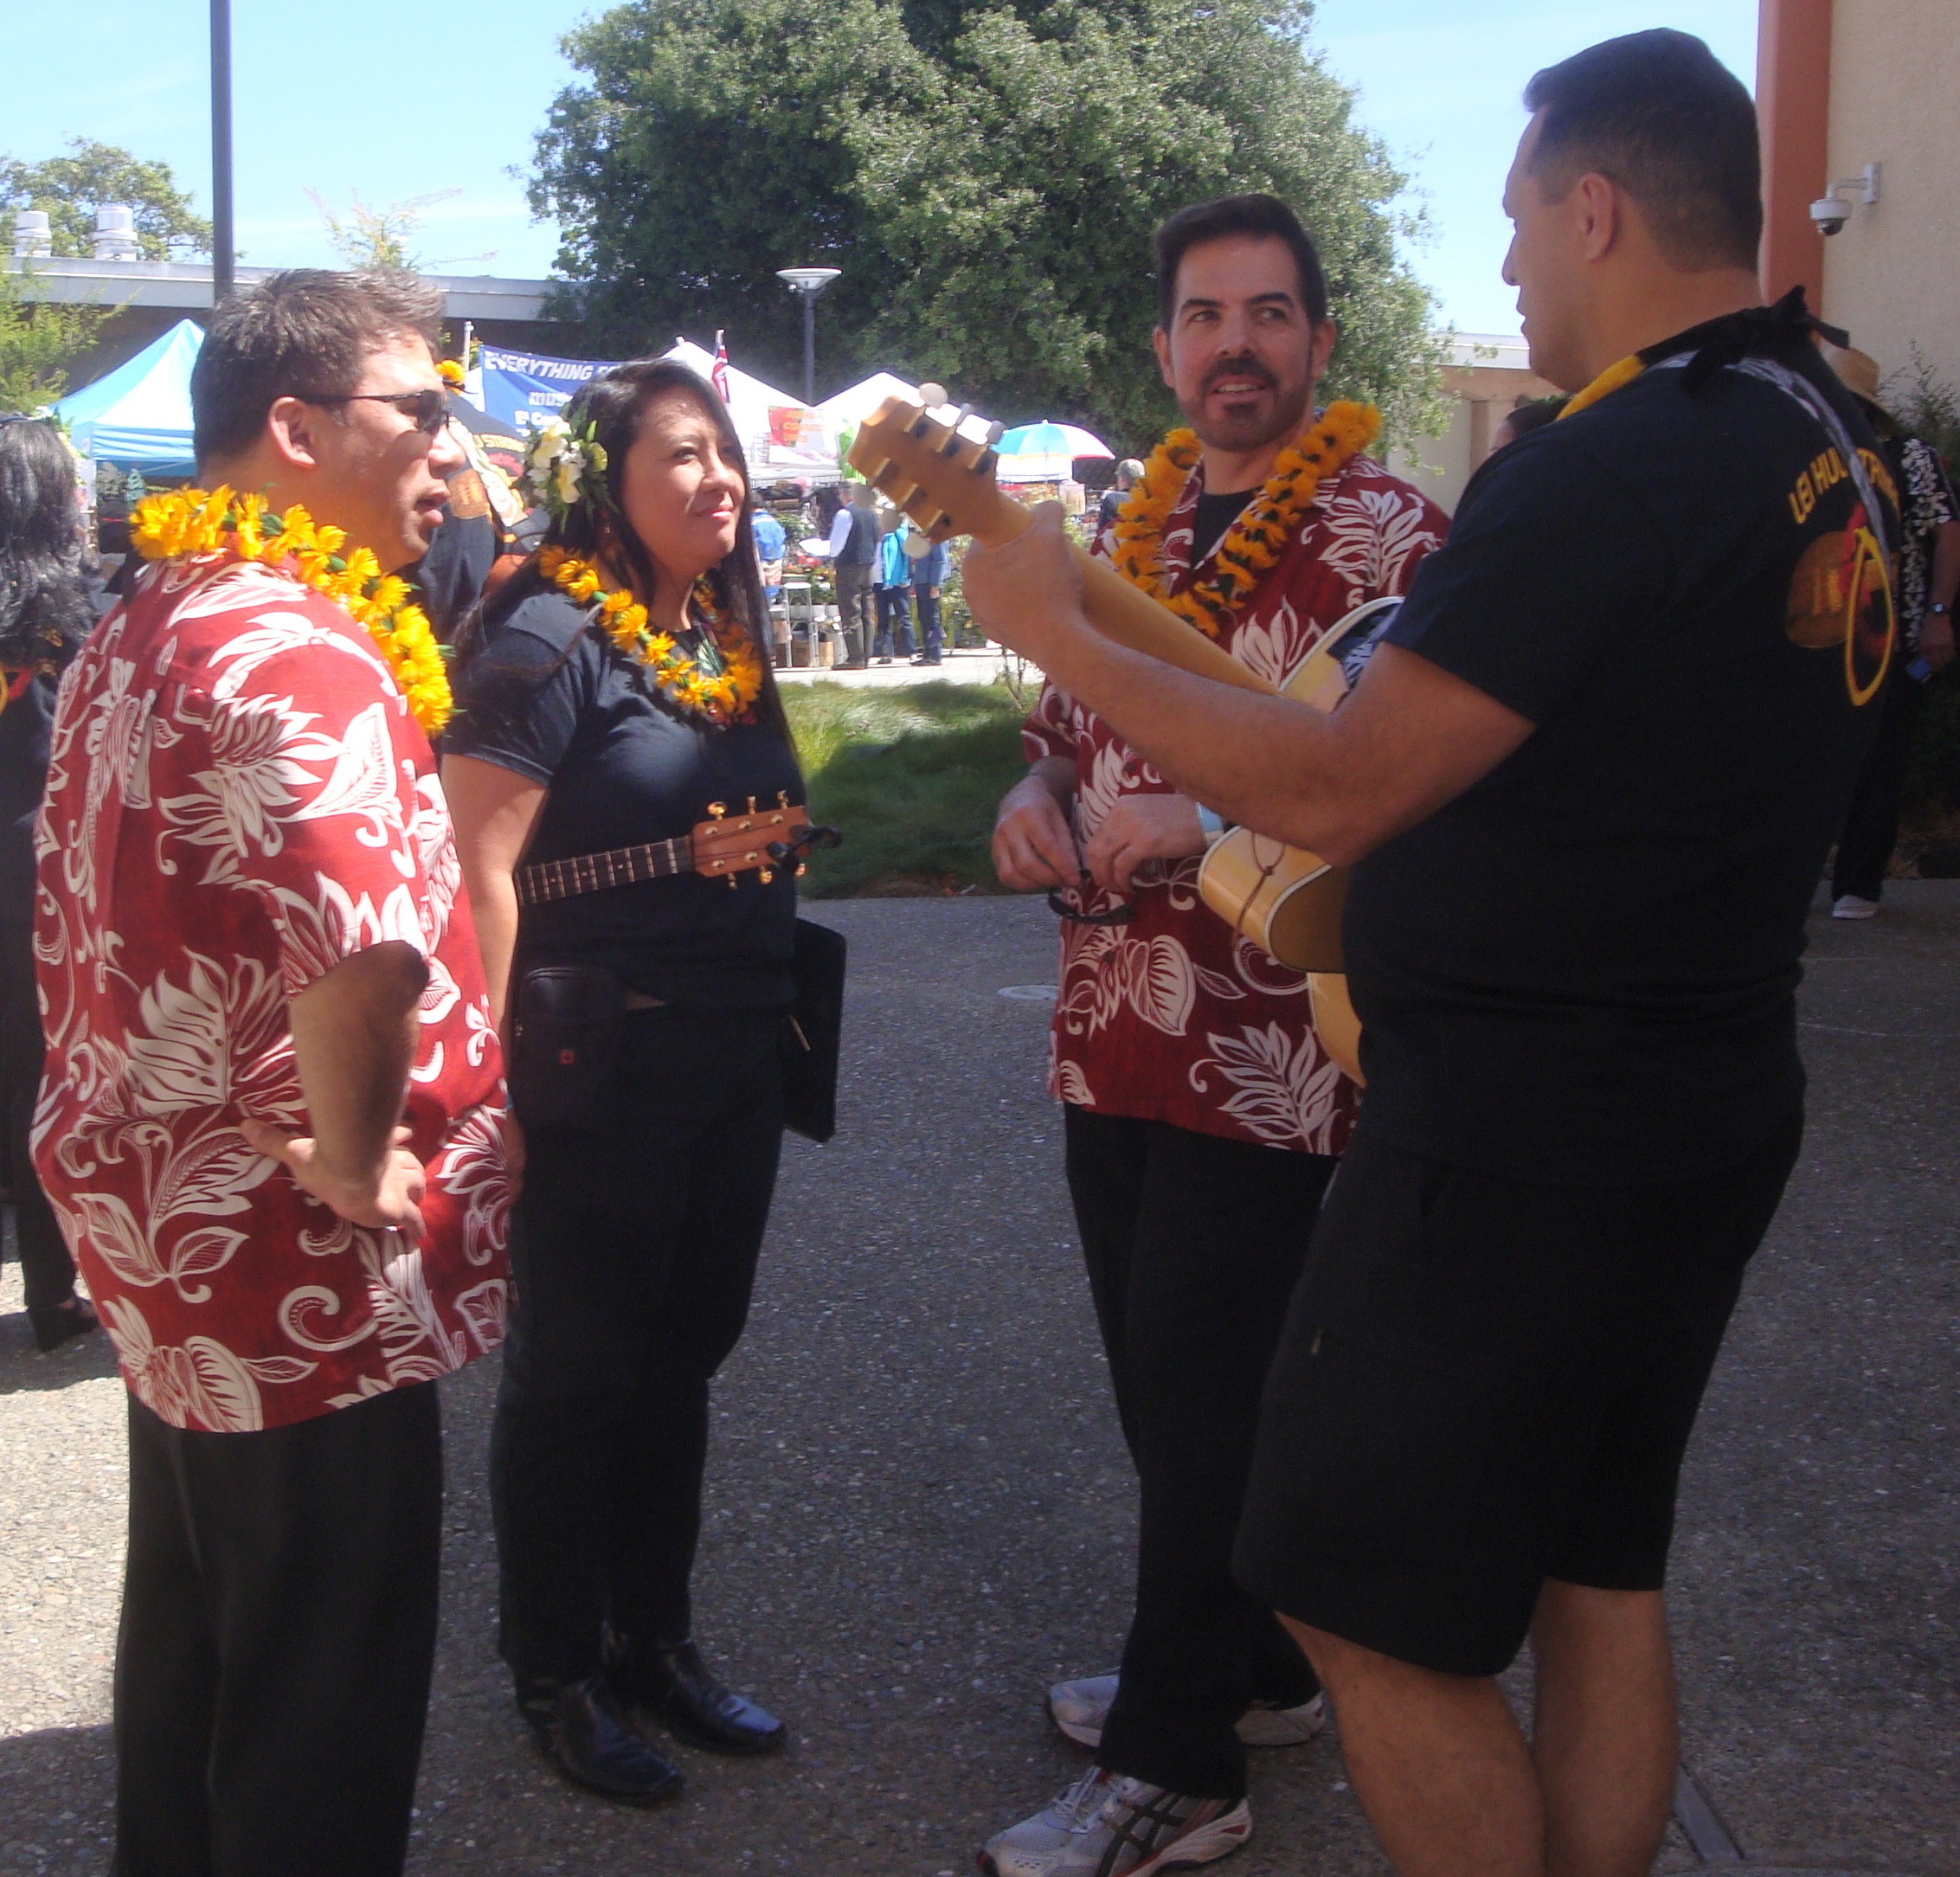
column 1123, row 915
column 428, row 410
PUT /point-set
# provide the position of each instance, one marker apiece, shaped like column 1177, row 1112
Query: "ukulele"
column 756, row 840
column 939, row 470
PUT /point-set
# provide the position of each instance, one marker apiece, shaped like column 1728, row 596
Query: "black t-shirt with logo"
column 545, row 696
column 1581, row 971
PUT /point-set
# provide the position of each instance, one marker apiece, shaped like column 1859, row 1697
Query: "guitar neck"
column 592, row 873
column 1129, row 616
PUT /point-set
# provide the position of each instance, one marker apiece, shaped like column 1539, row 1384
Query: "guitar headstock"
column 732, row 841
column 934, row 461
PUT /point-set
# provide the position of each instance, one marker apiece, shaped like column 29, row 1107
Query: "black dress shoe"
column 677, row 1689
column 53, row 1326
column 580, row 1725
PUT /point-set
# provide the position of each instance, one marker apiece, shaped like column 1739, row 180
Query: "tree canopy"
column 71, row 188
column 38, row 339
column 987, row 177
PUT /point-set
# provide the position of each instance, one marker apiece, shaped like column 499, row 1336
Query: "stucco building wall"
column 1892, row 276
column 1487, row 379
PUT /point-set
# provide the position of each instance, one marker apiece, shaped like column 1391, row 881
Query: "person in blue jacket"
column 894, row 594
column 770, row 540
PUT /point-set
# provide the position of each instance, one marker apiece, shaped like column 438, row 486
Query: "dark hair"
column 1659, row 114
column 614, row 404
column 1237, row 214
column 44, row 607
column 303, row 330
column 1535, row 413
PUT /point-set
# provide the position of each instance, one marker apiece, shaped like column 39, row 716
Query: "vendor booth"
column 139, row 417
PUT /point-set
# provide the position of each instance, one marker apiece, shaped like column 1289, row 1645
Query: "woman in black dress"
column 586, row 725
column 45, row 613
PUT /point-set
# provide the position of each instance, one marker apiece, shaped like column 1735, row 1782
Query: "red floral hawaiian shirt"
column 1173, row 1017
column 238, row 800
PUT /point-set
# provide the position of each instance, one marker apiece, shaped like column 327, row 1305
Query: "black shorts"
column 1486, row 1382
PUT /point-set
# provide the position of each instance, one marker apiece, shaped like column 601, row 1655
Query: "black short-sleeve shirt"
column 1581, row 970
column 27, row 720
column 545, row 696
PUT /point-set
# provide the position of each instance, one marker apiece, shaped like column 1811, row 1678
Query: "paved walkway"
column 958, row 668
column 920, row 1510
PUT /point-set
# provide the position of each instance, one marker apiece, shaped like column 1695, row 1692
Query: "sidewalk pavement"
column 920, row 1511
column 978, row 667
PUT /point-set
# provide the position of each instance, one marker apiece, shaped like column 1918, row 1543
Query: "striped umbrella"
column 1052, row 440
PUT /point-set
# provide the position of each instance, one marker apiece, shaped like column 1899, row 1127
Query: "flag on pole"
column 720, row 373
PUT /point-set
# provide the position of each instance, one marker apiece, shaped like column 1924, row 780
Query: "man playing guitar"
column 1203, row 1114
column 1586, row 786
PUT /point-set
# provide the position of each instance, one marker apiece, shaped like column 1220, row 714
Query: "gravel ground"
column 920, row 1511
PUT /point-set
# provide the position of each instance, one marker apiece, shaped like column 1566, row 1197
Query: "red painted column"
column 1793, row 107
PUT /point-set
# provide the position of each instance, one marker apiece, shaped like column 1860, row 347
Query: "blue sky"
column 390, row 101
column 1439, row 82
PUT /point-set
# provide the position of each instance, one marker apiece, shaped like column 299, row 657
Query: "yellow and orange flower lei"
column 722, row 697
column 191, row 524
column 1256, row 539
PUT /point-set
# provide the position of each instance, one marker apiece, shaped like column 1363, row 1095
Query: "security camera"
column 1830, row 213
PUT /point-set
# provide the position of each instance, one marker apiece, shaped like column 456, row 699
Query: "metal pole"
column 809, row 347
column 223, row 240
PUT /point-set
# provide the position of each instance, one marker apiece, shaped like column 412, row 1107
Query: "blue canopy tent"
column 139, row 417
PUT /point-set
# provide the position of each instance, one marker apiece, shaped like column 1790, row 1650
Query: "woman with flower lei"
column 612, row 694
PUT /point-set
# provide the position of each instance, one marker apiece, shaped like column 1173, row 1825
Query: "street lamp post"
column 221, row 234
column 807, row 283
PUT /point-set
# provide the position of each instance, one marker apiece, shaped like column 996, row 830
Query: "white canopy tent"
column 846, row 409
column 750, row 402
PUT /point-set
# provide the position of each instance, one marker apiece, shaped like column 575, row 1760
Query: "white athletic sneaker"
column 1852, row 906
column 1106, row 1827
column 1079, row 1709
column 1029, row 1848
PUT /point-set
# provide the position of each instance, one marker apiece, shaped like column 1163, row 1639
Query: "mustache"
column 1247, row 366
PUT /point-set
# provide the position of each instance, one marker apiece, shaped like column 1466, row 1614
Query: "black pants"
column 1193, row 1246
column 894, row 620
column 278, row 1632
column 1871, row 824
column 633, row 1261
column 854, row 620
column 930, row 640
column 46, row 1267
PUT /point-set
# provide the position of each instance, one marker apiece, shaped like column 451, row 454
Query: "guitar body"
column 1339, row 1028
column 1287, row 900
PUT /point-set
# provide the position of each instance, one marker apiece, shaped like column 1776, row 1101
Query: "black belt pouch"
column 568, row 1035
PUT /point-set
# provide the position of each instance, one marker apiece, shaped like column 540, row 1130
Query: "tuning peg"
column 995, row 431
column 800, row 869
column 734, row 884
column 752, row 805
column 782, row 798
column 717, row 809
column 933, row 395
column 766, row 875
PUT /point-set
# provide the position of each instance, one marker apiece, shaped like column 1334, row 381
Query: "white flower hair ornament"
column 562, row 469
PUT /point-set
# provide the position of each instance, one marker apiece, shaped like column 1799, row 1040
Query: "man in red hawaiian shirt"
column 1203, row 1114
column 272, row 1121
